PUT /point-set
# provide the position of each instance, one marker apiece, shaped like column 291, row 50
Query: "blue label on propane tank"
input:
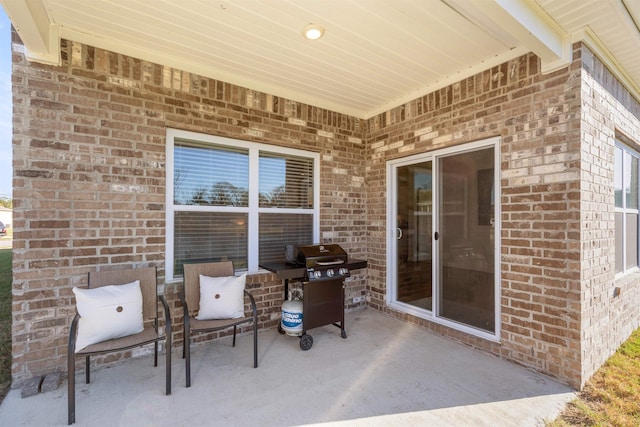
column 291, row 320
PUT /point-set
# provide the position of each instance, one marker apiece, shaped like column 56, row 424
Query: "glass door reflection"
column 466, row 239
column 414, row 235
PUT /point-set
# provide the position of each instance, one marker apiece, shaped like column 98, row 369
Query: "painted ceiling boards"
column 375, row 54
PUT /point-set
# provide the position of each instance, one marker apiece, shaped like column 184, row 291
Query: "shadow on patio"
column 385, row 373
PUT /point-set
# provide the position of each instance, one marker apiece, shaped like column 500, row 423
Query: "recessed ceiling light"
column 313, row 31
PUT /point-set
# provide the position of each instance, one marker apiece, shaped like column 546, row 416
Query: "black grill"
column 320, row 270
column 323, row 262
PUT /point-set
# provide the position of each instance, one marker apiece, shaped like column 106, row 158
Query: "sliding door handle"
column 436, row 235
column 398, row 233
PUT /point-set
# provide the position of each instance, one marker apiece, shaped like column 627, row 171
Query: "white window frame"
column 626, row 150
column 253, row 210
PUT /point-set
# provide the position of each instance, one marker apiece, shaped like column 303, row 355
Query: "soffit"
column 610, row 27
column 375, row 54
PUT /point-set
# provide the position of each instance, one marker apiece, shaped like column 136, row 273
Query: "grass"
column 5, row 321
column 612, row 396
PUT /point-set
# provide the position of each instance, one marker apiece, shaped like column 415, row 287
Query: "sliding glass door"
column 466, row 239
column 442, row 237
column 414, row 235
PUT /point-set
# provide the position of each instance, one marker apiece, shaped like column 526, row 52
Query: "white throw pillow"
column 108, row 312
column 221, row 297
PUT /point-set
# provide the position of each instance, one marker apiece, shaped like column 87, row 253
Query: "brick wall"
column 89, row 185
column 89, row 180
column 559, row 312
column 608, row 111
column 538, row 119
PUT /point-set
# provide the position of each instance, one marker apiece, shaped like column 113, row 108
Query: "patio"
column 385, row 373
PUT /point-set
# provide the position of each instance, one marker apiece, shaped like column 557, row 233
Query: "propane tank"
column 292, row 314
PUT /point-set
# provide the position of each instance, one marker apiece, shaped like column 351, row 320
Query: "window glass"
column 236, row 200
column 626, row 190
column 619, row 242
column 631, row 239
column 631, row 181
column 618, row 177
column 279, row 230
column 210, row 175
column 286, row 181
column 209, row 237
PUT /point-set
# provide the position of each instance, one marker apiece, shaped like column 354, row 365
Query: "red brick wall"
column 89, row 180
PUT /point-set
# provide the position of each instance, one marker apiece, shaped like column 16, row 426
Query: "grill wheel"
column 306, row 341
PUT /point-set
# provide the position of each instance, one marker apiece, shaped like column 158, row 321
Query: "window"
column 236, row 200
column 626, row 212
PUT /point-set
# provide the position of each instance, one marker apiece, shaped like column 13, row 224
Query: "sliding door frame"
column 392, row 247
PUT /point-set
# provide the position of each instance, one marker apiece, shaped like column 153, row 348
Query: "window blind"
column 279, row 230
column 210, row 175
column 285, row 181
column 236, row 200
column 209, row 237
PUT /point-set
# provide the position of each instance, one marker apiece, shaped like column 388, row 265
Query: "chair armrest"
column 185, row 306
column 253, row 303
column 167, row 315
column 73, row 334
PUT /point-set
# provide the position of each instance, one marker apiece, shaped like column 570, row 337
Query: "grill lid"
column 323, row 262
column 321, row 255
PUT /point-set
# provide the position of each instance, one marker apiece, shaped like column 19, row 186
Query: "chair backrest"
column 148, row 285
column 192, row 274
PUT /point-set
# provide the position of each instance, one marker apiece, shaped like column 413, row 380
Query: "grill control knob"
column 330, row 272
column 317, row 274
column 343, row 271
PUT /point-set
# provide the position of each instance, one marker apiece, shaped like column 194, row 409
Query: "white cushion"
column 221, row 297
column 108, row 312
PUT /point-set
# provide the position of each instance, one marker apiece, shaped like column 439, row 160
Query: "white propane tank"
column 292, row 316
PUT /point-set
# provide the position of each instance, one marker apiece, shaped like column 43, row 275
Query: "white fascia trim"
column 520, row 24
column 589, row 38
column 535, row 29
column 51, row 56
column 40, row 36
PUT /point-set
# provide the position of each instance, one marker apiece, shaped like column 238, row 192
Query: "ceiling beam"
column 40, row 36
column 538, row 31
column 520, row 22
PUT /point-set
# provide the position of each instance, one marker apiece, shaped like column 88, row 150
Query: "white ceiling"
column 375, row 54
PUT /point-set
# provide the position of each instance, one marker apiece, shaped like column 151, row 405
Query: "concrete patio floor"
column 386, row 373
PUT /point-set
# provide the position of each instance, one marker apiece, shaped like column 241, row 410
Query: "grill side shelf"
column 286, row 271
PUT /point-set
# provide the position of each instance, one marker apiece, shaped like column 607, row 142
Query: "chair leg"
column 235, row 328
column 87, row 371
column 185, row 335
column 168, row 361
column 255, row 344
column 187, row 359
column 71, row 388
column 155, row 354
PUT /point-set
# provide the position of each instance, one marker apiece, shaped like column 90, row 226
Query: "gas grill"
column 319, row 270
column 323, row 262
column 325, row 268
